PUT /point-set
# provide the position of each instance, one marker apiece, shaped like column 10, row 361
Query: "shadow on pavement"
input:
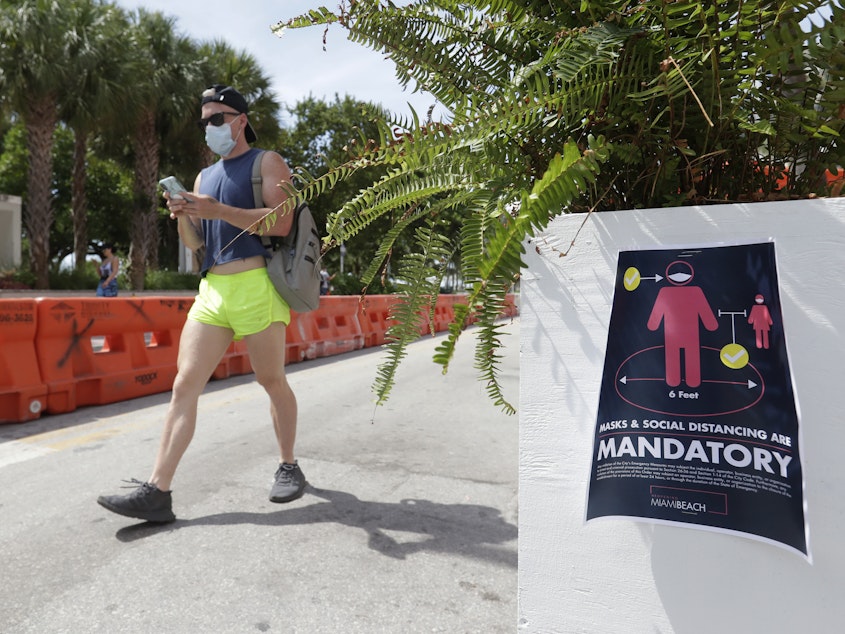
column 469, row 530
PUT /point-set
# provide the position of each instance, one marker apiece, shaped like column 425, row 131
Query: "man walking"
column 236, row 300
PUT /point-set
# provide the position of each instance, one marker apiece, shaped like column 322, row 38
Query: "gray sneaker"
column 146, row 502
column 288, row 483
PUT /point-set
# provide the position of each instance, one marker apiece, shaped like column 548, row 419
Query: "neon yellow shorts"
column 245, row 303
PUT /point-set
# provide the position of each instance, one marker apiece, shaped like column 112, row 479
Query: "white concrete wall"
column 627, row 577
column 10, row 231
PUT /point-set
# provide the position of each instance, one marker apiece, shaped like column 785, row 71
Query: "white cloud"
column 296, row 63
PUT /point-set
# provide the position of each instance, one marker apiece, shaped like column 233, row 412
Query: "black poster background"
column 678, row 453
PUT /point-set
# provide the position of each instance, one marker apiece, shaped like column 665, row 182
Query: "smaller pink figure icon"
column 761, row 320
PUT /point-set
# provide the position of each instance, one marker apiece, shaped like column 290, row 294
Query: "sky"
column 296, row 63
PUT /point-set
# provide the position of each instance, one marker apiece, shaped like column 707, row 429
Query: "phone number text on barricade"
column 17, row 317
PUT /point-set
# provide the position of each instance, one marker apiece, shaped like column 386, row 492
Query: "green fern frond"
column 492, row 249
column 464, row 200
column 415, row 308
column 490, row 340
column 692, row 98
column 397, row 191
column 314, row 17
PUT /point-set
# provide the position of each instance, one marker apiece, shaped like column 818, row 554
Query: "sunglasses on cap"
column 216, row 119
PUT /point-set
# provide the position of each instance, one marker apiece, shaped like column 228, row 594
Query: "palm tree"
column 94, row 98
column 35, row 60
column 163, row 82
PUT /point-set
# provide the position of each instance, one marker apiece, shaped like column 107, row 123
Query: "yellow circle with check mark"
column 734, row 356
column 631, row 279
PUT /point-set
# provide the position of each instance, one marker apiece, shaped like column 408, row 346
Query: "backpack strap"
column 258, row 196
column 257, row 180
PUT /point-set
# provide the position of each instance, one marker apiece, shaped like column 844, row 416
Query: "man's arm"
column 274, row 170
column 189, row 227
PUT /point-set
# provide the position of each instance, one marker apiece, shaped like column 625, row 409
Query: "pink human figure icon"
column 680, row 307
column 761, row 320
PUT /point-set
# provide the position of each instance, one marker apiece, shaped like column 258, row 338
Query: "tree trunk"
column 145, row 217
column 41, row 119
column 79, row 202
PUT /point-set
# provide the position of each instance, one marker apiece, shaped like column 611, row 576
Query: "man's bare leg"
column 267, row 355
column 200, row 349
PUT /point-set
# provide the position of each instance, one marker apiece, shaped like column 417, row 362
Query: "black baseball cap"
column 227, row 95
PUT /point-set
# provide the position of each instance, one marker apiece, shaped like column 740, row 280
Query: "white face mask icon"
column 219, row 139
column 680, row 277
column 679, row 273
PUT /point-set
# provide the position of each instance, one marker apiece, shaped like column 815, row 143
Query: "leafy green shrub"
column 16, row 279
column 75, row 280
column 349, row 284
column 165, row 280
column 564, row 106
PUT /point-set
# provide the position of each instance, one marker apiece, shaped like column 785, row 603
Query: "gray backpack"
column 294, row 266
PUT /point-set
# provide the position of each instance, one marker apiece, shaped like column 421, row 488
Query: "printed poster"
column 697, row 422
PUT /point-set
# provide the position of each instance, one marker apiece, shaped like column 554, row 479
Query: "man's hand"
column 194, row 206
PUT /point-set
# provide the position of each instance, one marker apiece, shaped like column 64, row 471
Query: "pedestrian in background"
column 325, row 281
column 109, row 268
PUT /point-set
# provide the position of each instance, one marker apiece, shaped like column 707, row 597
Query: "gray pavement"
column 409, row 523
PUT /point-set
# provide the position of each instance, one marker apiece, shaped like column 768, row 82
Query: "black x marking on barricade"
column 75, row 338
column 139, row 308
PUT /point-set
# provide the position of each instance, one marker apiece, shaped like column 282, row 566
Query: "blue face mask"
column 219, row 139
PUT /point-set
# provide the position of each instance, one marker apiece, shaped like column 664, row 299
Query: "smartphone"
column 172, row 186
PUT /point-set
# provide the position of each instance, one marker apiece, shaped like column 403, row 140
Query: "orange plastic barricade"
column 23, row 394
column 297, row 347
column 374, row 318
column 444, row 312
column 471, row 317
column 334, row 326
column 93, row 351
column 427, row 322
column 235, row 361
column 511, row 309
column 835, row 182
